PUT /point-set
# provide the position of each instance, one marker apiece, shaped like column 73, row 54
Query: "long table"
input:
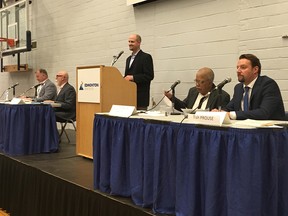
column 28, row 129
column 191, row 170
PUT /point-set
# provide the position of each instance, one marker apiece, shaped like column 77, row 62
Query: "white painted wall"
column 181, row 35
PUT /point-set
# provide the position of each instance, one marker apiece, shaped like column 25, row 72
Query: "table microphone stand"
column 173, row 103
column 13, row 91
column 219, row 99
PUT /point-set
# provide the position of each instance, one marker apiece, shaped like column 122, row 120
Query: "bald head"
column 206, row 73
column 204, row 80
column 134, row 42
column 62, row 77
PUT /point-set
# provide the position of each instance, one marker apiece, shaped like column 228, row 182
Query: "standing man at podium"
column 139, row 69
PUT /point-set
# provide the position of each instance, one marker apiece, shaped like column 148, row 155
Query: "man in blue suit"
column 139, row 69
column 263, row 97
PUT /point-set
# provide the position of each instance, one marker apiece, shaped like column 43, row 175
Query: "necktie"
column 246, row 99
column 131, row 60
column 38, row 90
column 201, row 102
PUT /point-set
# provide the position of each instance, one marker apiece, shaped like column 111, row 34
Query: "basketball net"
column 10, row 42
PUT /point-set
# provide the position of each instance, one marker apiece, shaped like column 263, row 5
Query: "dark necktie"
column 201, row 102
column 246, row 99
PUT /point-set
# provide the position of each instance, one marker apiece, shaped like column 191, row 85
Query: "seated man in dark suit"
column 66, row 97
column 203, row 96
column 255, row 97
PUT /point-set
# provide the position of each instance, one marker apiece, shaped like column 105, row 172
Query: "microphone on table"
column 115, row 58
column 219, row 88
column 13, row 86
column 173, row 96
column 174, row 85
column 224, row 82
column 34, row 86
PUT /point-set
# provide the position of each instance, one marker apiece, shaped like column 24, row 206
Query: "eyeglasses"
column 58, row 76
column 199, row 82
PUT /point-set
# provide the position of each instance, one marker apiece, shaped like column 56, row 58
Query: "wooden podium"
column 113, row 89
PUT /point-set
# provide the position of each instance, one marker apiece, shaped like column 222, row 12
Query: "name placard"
column 17, row 101
column 122, row 111
column 209, row 118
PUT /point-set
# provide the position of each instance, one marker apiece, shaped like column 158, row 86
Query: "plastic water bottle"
column 6, row 95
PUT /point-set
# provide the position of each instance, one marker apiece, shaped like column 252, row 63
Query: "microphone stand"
column 13, row 91
column 173, row 103
column 114, row 60
column 219, row 98
column 35, row 89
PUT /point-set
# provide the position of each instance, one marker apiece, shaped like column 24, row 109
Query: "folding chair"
column 63, row 123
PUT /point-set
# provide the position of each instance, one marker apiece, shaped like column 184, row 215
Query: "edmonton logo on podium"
column 88, row 86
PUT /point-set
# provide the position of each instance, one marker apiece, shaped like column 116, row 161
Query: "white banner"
column 89, row 85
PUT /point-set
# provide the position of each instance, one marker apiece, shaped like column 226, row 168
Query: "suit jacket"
column 212, row 103
column 265, row 101
column 67, row 99
column 47, row 92
column 143, row 72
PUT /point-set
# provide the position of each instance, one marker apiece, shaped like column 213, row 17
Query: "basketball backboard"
column 14, row 26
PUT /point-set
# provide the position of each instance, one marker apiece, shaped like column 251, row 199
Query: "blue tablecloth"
column 27, row 129
column 187, row 170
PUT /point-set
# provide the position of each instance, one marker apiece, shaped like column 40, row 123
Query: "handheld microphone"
column 13, row 86
column 174, row 85
column 224, row 82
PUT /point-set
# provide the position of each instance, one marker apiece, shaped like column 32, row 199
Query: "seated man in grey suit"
column 66, row 97
column 203, row 96
column 46, row 89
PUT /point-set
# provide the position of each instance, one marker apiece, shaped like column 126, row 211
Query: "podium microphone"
column 115, row 58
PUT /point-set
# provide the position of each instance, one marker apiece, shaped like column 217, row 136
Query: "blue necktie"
column 246, row 99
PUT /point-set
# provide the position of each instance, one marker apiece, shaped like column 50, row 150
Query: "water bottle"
column 6, row 95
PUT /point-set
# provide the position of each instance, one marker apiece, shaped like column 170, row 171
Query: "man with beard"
column 255, row 97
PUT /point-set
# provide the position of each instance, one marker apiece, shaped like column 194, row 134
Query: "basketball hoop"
column 10, row 42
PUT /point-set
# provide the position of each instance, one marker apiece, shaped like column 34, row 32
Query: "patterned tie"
column 246, row 98
column 201, row 102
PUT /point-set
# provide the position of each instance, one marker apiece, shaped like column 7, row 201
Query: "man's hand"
column 168, row 94
column 129, row 78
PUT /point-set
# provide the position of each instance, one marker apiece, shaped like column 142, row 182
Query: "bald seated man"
column 203, row 96
column 66, row 97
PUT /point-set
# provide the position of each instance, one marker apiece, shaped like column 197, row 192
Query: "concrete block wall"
column 181, row 35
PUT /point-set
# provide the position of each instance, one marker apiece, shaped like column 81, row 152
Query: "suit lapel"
column 255, row 89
